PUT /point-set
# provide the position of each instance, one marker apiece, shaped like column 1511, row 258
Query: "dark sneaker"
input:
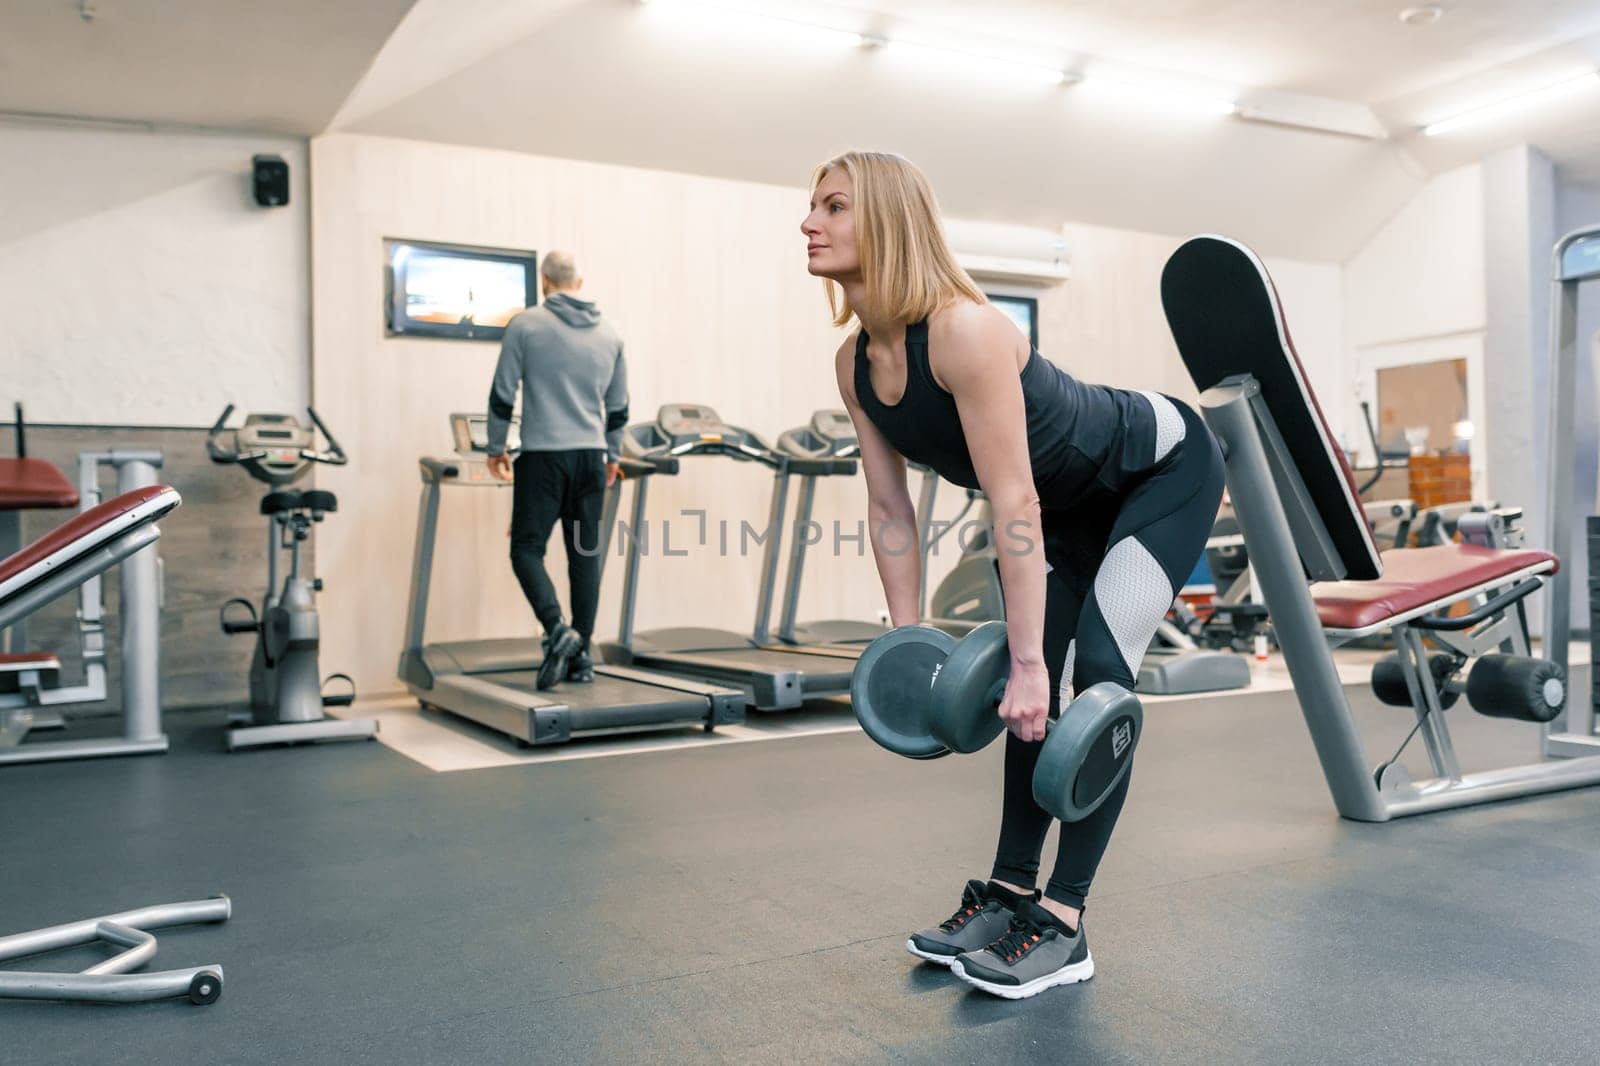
column 560, row 646
column 1035, row 953
column 581, row 668
column 983, row 915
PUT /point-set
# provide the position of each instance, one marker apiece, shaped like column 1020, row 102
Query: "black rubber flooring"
column 750, row 903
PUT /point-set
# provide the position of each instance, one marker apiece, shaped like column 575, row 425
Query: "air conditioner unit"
column 994, row 251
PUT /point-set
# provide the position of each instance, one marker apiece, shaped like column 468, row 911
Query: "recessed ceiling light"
column 1422, row 15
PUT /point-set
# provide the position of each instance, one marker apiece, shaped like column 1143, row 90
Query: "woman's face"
column 830, row 229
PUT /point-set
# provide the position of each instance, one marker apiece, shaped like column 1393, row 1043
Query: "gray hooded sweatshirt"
column 574, row 382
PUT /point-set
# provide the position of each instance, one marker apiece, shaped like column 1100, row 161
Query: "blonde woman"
column 1102, row 500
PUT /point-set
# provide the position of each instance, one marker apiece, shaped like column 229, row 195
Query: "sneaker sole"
column 1067, row 975
column 943, row 960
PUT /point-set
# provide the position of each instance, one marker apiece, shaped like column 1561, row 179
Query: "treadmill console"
column 684, row 420
column 470, row 465
column 831, row 435
column 694, row 429
column 471, row 434
column 833, row 425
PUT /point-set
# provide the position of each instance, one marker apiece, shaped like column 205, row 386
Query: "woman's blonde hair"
column 906, row 262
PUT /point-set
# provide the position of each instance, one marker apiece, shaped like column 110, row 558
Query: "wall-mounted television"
column 455, row 290
column 1023, row 310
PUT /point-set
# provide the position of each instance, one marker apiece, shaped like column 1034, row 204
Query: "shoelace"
column 1019, row 938
column 971, row 904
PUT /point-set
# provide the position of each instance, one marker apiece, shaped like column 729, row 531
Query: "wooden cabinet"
column 1436, row 479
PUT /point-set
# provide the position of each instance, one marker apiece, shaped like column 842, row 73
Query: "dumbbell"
column 921, row 693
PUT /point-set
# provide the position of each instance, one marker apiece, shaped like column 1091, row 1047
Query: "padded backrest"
column 83, row 534
column 30, row 484
column 1225, row 317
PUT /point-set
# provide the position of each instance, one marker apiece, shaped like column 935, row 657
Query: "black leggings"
column 566, row 487
column 1117, row 562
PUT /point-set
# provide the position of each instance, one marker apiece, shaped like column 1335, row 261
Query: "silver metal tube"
column 926, row 496
column 1565, row 280
column 1559, row 493
column 1425, row 694
column 140, row 944
column 769, row 557
column 62, row 750
column 275, row 530
column 140, row 614
column 1227, row 409
column 422, row 563
column 630, row 570
column 97, row 988
column 797, row 559
column 66, row 579
column 1528, row 780
column 71, row 934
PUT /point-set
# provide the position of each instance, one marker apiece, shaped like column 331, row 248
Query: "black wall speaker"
column 271, row 180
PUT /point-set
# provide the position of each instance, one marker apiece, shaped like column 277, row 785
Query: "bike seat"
column 319, row 500
column 282, row 500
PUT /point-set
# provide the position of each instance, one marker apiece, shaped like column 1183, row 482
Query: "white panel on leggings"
column 1064, row 690
column 1133, row 593
column 1170, row 429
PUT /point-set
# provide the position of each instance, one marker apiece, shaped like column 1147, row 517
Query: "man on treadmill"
column 574, row 405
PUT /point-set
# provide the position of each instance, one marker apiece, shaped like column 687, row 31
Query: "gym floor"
column 749, row 902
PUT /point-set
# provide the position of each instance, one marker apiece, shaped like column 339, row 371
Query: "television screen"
column 452, row 290
column 1024, row 311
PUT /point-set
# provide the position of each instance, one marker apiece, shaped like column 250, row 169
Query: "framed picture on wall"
column 455, row 291
column 1023, row 310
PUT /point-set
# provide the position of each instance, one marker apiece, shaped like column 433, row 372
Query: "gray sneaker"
column 982, row 917
column 1033, row 955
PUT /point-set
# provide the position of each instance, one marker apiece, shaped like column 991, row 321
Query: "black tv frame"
column 396, row 322
column 1033, row 311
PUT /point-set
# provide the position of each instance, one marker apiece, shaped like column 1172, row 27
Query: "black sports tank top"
column 1079, row 435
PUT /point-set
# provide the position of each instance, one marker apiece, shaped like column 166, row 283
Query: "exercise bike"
column 286, row 690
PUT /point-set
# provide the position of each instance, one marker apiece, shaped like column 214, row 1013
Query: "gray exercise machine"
column 286, row 686
column 1574, row 263
column 829, row 435
column 79, row 551
column 31, row 689
column 493, row 682
column 772, row 678
column 1296, row 503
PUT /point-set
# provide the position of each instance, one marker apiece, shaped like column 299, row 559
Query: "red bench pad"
column 1415, row 578
column 33, row 484
column 31, row 660
column 82, row 525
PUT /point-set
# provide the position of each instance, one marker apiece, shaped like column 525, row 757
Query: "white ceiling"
column 610, row 80
column 283, row 66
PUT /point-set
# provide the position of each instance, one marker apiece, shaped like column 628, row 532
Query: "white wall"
column 706, row 282
column 1415, row 293
column 142, row 283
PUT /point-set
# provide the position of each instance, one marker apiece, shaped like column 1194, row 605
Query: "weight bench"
column 1296, row 502
column 56, row 564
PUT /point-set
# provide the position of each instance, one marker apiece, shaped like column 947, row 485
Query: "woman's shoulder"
column 965, row 322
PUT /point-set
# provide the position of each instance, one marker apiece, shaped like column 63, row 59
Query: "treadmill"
column 829, row 435
column 492, row 682
column 772, row 679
